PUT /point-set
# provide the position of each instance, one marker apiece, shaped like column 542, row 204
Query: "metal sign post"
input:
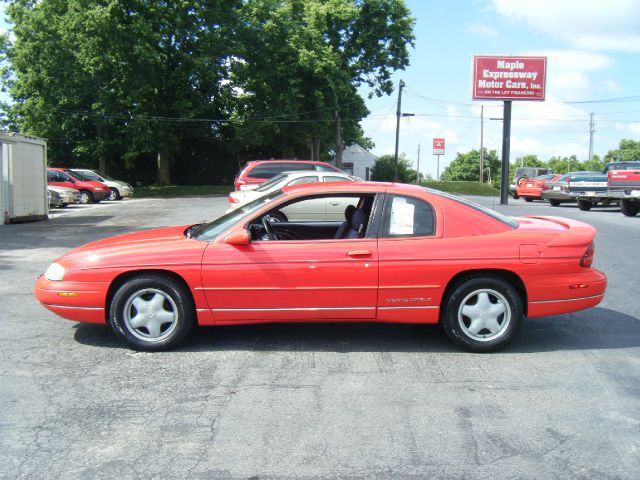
column 438, row 149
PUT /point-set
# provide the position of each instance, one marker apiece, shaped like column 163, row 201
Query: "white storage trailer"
column 23, row 189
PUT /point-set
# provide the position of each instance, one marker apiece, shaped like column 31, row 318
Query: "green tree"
column 596, row 164
column 565, row 164
column 466, row 166
column 384, row 168
column 627, row 151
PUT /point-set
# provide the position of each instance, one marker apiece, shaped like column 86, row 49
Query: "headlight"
column 55, row 272
column 98, row 189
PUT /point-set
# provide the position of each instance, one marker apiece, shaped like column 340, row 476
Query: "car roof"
column 305, row 173
column 346, row 187
column 255, row 162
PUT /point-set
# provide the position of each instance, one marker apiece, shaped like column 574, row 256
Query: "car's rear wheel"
column 113, row 195
column 514, row 195
column 152, row 312
column 483, row 314
column 585, row 205
column 554, row 203
column 528, row 199
column 86, row 197
column 629, row 208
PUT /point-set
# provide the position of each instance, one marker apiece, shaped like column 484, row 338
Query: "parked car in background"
column 322, row 209
column 60, row 197
column 558, row 190
column 117, row 188
column 408, row 255
column 90, row 191
column 531, row 188
column 623, row 184
column 256, row 172
column 525, row 172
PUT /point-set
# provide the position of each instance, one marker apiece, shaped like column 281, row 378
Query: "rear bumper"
column 564, row 293
column 558, row 195
column 529, row 192
column 624, row 194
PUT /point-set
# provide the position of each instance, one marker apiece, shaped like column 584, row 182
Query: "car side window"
column 407, row 217
column 330, row 178
column 324, row 168
column 301, row 180
column 266, row 170
column 50, row 176
column 295, row 166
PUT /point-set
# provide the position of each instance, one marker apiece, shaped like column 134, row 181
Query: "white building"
column 23, row 180
column 358, row 161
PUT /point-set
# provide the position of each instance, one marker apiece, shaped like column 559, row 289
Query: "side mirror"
column 239, row 237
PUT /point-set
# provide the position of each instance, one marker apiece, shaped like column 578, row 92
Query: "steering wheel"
column 268, row 229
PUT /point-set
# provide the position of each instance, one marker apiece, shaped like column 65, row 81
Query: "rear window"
column 295, row 166
column 264, row 170
column 326, row 168
column 487, row 211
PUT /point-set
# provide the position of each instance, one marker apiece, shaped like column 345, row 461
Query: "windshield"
column 79, row 176
column 210, row 230
column 89, row 175
column 270, row 183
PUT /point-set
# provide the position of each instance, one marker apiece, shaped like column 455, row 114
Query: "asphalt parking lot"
column 309, row 401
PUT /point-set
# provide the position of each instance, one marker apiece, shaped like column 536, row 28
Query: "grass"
column 181, row 191
column 463, row 188
column 459, row 188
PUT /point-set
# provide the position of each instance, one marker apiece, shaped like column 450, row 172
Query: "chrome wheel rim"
column 484, row 315
column 150, row 315
column 112, row 195
column 84, row 197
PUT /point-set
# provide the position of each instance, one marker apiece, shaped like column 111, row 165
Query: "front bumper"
column 81, row 302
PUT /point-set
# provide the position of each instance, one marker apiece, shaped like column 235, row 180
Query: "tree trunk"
column 104, row 164
column 163, row 168
column 339, row 145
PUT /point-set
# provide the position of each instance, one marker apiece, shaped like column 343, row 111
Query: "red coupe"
column 531, row 188
column 402, row 254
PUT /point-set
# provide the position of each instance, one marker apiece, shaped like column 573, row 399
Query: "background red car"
column 90, row 191
column 531, row 188
column 256, row 172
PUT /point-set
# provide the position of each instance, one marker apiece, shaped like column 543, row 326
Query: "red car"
column 531, row 188
column 403, row 254
column 256, row 172
column 90, row 190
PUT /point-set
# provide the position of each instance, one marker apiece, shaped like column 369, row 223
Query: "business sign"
column 509, row 78
column 438, row 146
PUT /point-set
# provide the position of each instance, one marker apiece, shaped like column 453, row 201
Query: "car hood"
column 164, row 246
column 61, row 189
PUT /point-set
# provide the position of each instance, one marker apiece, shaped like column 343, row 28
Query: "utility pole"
column 418, row 166
column 481, row 142
column 592, row 129
column 338, row 140
column 506, row 141
column 398, row 115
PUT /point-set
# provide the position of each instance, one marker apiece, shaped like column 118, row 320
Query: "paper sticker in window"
column 401, row 217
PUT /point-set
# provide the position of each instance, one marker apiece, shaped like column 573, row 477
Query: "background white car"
column 332, row 208
column 117, row 188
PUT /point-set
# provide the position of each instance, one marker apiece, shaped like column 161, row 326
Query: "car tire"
column 515, row 196
column 585, row 205
column 169, row 312
column 629, row 208
column 528, row 199
column 86, row 197
column 483, row 314
column 113, row 195
column 554, row 203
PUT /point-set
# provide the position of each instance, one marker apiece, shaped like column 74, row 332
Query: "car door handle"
column 359, row 253
column 335, row 204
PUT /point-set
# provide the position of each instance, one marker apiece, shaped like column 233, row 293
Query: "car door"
column 408, row 246
column 291, row 280
column 59, row 179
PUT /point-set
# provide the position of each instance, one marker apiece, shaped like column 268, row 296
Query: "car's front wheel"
column 113, row 195
column 528, row 199
column 86, row 197
column 483, row 314
column 152, row 312
column 515, row 196
column 554, row 203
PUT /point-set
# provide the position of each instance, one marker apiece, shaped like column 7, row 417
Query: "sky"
column 593, row 51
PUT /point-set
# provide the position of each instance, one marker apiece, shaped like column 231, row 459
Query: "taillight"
column 233, row 200
column 587, row 258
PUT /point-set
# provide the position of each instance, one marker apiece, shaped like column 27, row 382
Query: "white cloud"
column 482, row 30
column 583, row 24
column 634, row 128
